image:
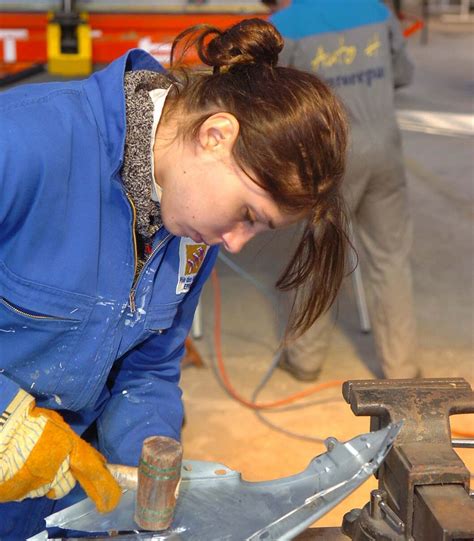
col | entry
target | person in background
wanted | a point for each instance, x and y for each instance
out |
(357, 47)
(275, 5)
(117, 192)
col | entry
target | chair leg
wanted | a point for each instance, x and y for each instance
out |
(197, 323)
(359, 290)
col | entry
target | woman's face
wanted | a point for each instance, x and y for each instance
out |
(206, 196)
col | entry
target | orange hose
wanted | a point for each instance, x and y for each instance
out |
(276, 403)
(223, 372)
(414, 27)
(417, 25)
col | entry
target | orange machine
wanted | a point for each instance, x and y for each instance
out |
(25, 39)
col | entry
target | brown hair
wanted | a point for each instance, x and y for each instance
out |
(292, 138)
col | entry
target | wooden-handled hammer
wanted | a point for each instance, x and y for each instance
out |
(156, 481)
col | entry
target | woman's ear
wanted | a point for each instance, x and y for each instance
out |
(218, 133)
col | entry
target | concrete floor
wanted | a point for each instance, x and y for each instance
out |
(440, 176)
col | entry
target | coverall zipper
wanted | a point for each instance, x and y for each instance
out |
(131, 298)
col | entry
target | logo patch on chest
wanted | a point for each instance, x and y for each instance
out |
(191, 258)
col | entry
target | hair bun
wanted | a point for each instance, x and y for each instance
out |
(252, 41)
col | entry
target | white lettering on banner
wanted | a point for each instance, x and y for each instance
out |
(160, 51)
(10, 37)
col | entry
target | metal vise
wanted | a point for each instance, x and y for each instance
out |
(423, 484)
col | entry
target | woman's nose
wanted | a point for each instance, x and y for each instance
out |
(236, 239)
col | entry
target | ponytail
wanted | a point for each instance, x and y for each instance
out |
(316, 269)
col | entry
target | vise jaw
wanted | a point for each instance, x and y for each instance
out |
(423, 492)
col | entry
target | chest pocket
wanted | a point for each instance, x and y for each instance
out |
(40, 328)
(161, 316)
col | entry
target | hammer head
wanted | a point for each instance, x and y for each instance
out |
(159, 473)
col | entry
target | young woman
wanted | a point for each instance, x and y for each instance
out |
(117, 192)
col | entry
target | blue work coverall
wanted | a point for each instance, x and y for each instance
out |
(76, 330)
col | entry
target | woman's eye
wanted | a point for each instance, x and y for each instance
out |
(249, 217)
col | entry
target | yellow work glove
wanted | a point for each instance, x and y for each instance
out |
(40, 455)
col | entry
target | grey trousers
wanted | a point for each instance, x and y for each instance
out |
(376, 194)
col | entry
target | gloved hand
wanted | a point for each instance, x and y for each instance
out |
(41, 455)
